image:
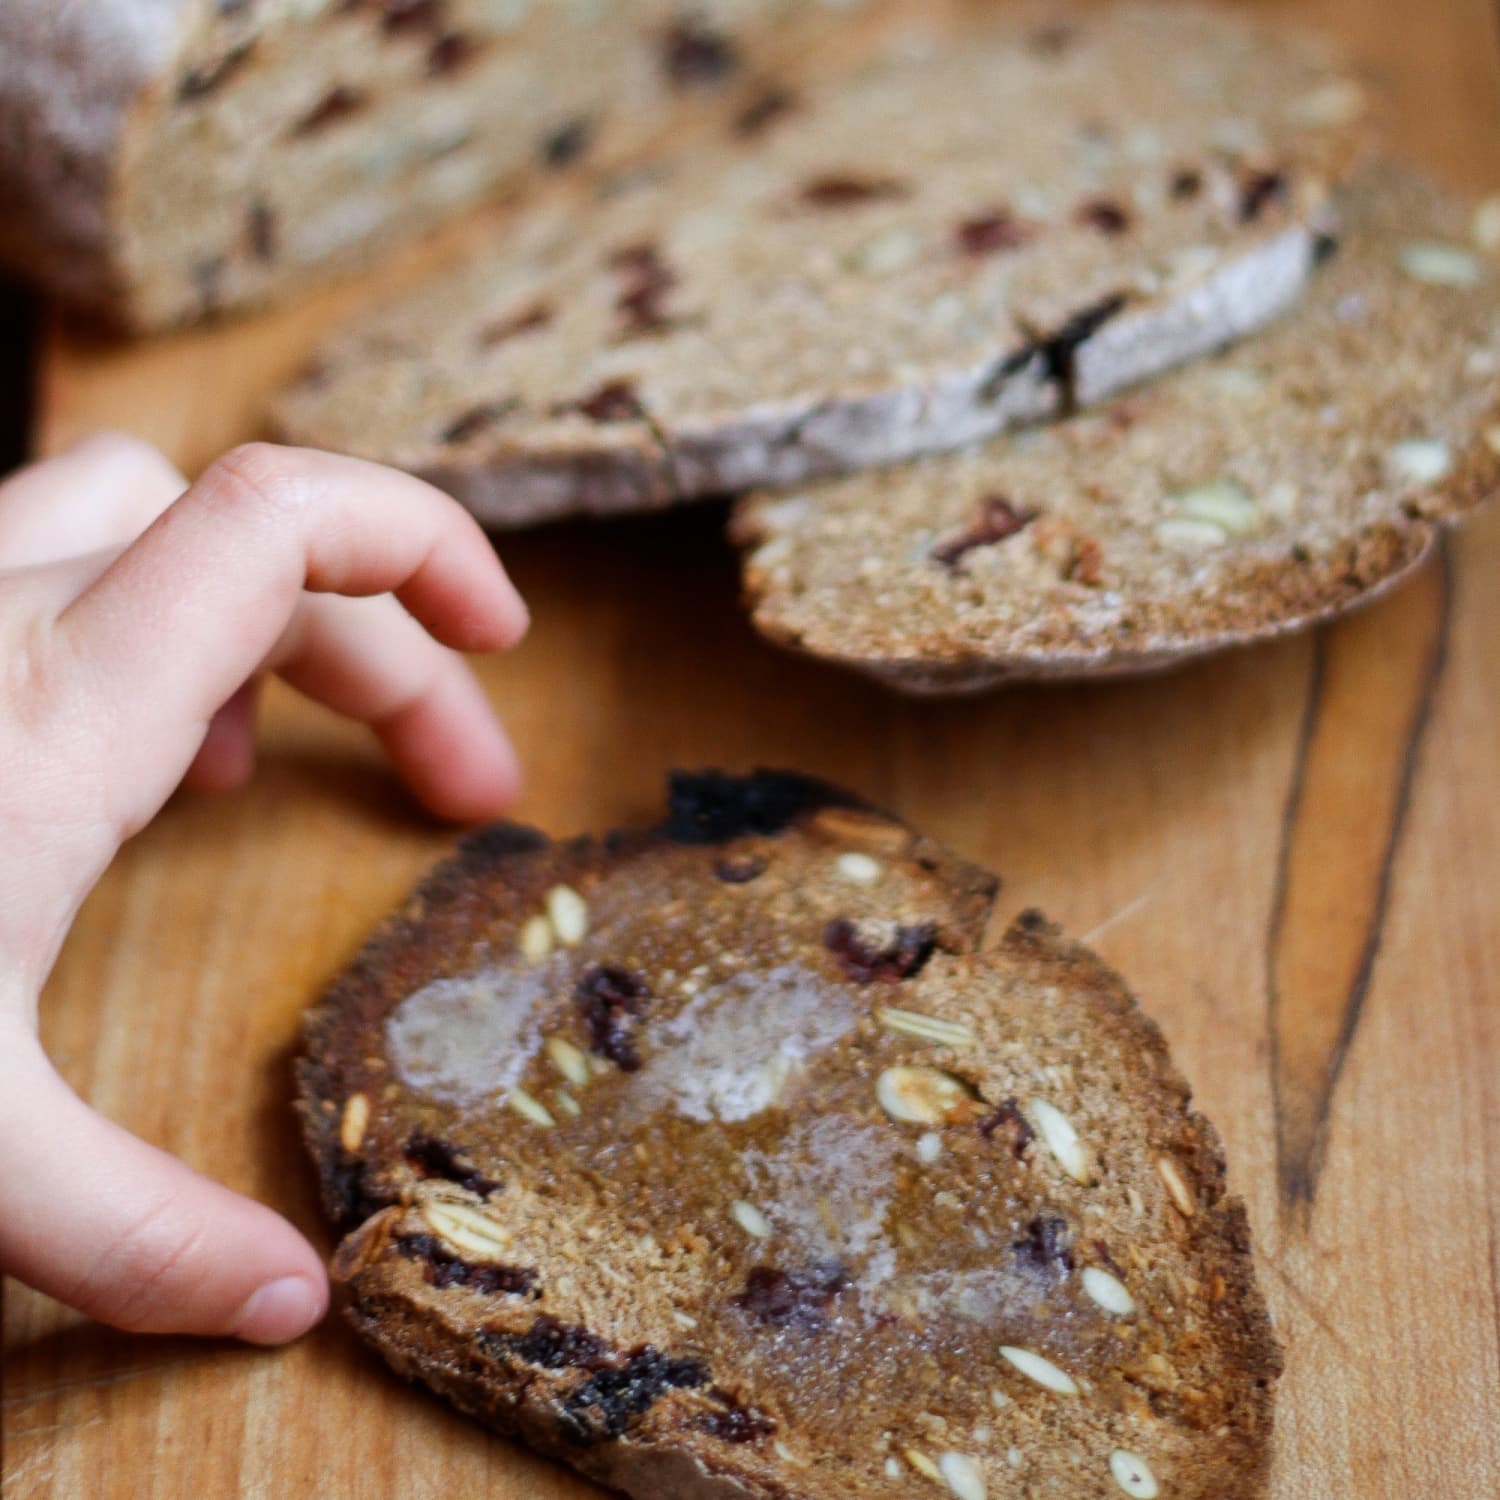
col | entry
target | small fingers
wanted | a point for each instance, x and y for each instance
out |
(370, 660)
(96, 496)
(187, 614)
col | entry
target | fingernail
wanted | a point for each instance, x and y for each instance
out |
(279, 1312)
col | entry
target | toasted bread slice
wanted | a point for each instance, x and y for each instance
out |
(717, 1162)
(1033, 215)
(1291, 478)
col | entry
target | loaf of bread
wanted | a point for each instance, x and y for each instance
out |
(716, 1161)
(962, 237)
(165, 159)
(1292, 477)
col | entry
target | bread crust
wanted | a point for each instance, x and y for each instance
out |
(652, 467)
(73, 78)
(1335, 449)
(1292, 600)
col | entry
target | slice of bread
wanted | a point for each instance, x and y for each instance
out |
(168, 159)
(718, 1163)
(955, 240)
(1293, 477)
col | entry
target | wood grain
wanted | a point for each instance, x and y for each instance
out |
(1293, 852)
(1342, 836)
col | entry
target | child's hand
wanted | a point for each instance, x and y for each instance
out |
(133, 625)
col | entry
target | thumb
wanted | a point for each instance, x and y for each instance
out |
(130, 1235)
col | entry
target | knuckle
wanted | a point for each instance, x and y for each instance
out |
(32, 681)
(257, 477)
(147, 1274)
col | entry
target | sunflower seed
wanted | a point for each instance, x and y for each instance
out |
(1177, 1189)
(920, 1096)
(751, 1219)
(1419, 461)
(355, 1118)
(1185, 534)
(923, 1465)
(569, 1060)
(569, 914)
(1440, 265)
(1224, 502)
(536, 938)
(1133, 1475)
(466, 1229)
(529, 1108)
(962, 1476)
(1108, 1291)
(928, 1028)
(860, 868)
(1057, 1131)
(1042, 1371)
(1338, 102)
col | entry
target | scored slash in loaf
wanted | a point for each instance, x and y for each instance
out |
(718, 1161)
(1284, 481)
(166, 159)
(953, 241)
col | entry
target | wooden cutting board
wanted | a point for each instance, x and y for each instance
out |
(1294, 853)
